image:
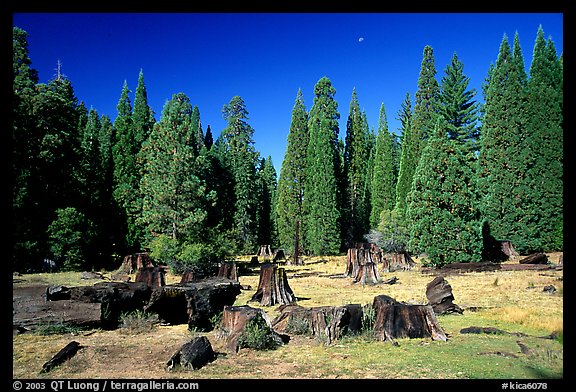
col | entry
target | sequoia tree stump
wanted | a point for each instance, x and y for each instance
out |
(265, 252)
(367, 274)
(508, 248)
(135, 262)
(235, 321)
(397, 261)
(229, 271)
(399, 320)
(439, 294)
(273, 287)
(326, 322)
(153, 277)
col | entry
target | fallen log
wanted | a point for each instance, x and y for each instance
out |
(61, 356)
(273, 287)
(534, 258)
(399, 320)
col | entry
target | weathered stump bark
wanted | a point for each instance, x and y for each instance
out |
(397, 261)
(508, 248)
(367, 274)
(153, 277)
(194, 303)
(228, 271)
(278, 255)
(398, 320)
(135, 262)
(193, 355)
(273, 287)
(63, 355)
(187, 276)
(235, 321)
(534, 258)
(440, 297)
(325, 322)
(265, 252)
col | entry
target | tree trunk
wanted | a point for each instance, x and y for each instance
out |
(398, 320)
(367, 274)
(397, 261)
(508, 248)
(133, 263)
(279, 255)
(265, 252)
(63, 355)
(535, 258)
(439, 294)
(273, 287)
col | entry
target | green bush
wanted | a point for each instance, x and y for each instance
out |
(257, 335)
(69, 238)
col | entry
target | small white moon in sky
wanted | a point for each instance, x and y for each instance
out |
(360, 39)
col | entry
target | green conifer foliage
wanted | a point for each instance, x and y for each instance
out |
(321, 192)
(444, 221)
(289, 211)
(356, 154)
(239, 147)
(545, 141)
(174, 198)
(383, 194)
(504, 153)
(457, 105)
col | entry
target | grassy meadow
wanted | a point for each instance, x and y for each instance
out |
(513, 301)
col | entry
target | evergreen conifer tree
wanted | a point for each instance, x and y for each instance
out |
(383, 178)
(289, 211)
(322, 167)
(444, 220)
(239, 146)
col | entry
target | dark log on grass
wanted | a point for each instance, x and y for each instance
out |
(195, 303)
(273, 287)
(153, 277)
(439, 294)
(229, 271)
(63, 355)
(193, 355)
(399, 320)
(328, 323)
(534, 258)
(247, 327)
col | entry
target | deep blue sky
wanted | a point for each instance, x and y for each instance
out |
(266, 57)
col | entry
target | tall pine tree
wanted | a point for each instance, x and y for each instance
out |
(383, 178)
(545, 141)
(322, 170)
(442, 206)
(239, 146)
(504, 153)
(289, 211)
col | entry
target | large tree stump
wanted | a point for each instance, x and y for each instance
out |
(153, 277)
(397, 261)
(265, 251)
(279, 255)
(61, 356)
(194, 303)
(273, 287)
(325, 322)
(507, 248)
(398, 320)
(367, 274)
(439, 294)
(534, 258)
(229, 271)
(235, 326)
(135, 262)
(193, 355)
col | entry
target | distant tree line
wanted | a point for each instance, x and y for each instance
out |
(86, 190)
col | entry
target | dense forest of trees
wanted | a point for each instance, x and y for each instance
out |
(460, 174)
